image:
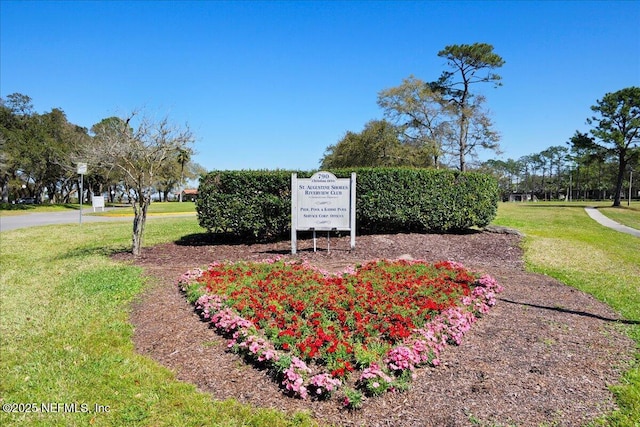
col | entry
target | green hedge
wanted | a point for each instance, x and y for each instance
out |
(257, 204)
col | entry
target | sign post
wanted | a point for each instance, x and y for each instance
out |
(82, 169)
(323, 203)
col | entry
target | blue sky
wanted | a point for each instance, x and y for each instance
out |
(267, 85)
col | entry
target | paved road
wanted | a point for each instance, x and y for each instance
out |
(593, 213)
(11, 222)
(68, 217)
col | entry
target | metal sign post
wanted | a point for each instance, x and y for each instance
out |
(82, 169)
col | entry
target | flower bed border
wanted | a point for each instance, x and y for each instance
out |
(422, 348)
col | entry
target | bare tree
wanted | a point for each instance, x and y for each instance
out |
(138, 149)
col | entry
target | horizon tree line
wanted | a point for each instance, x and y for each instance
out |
(39, 153)
(595, 165)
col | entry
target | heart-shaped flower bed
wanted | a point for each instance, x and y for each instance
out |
(313, 330)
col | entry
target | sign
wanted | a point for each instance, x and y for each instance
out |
(82, 168)
(97, 202)
(322, 203)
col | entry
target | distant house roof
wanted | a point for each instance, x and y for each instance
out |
(190, 191)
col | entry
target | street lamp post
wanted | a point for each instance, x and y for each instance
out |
(82, 169)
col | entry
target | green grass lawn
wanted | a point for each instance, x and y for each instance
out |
(563, 242)
(627, 215)
(155, 209)
(27, 209)
(66, 338)
(65, 335)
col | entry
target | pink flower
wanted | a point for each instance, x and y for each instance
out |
(228, 321)
(374, 371)
(209, 304)
(324, 383)
(490, 283)
(293, 377)
(402, 358)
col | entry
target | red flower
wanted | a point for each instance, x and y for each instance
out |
(317, 317)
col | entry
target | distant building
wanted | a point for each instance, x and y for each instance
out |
(189, 194)
(522, 197)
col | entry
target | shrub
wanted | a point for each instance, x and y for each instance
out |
(257, 204)
(248, 204)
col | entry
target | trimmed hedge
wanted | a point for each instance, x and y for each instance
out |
(257, 204)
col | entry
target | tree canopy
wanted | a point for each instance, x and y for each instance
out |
(36, 150)
(378, 144)
(617, 129)
(470, 65)
(421, 116)
(444, 121)
(39, 153)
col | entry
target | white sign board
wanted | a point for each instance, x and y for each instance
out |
(97, 202)
(82, 168)
(323, 203)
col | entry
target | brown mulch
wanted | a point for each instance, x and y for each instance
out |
(546, 353)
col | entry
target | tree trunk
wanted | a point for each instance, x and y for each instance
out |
(181, 187)
(5, 188)
(462, 142)
(139, 220)
(622, 165)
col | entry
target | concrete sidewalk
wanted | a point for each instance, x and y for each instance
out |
(600, 218)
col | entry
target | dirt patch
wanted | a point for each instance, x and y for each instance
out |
(546, 353)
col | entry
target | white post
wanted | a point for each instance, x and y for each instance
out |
(294, 212)
(81, 194)
(352, 220)
(82, 169)
(314, 240)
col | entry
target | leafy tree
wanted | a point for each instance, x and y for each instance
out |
(420, 113)
(617, 128)
(377, 145)
(19, 104)
(8, 160)
(5, 162)
(445, 116)
(58, 144)
(139, 152)
(594, 161)
(505, 172)
(470, 64)
(36, 149)
(556, 157)
(15, 112)
(173, 173)
(527, 163)
(184, 156)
